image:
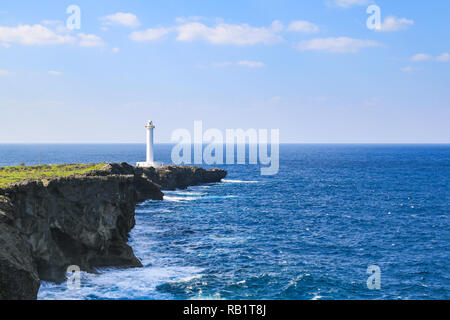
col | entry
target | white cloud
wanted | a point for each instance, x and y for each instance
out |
(276, 26)
(54, 73)
(116, 50)
(220, 34)
(233, 34)
(56, 25)
(5, 73)
(336, 45)
(149, 34)
(421, 57)
(90, 40)
(36, 35)
(29, 35)
(350, 3)
(303, 27)
(392, 23)
(122, 19)
(251, 64)
(445, 57)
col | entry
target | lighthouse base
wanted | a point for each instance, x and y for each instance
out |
(149, 164)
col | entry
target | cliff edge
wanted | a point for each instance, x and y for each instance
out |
(51, 222)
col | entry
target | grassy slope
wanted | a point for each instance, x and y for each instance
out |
(11, 175)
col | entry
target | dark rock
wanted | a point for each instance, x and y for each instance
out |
(150, 181)
(46, 226)
(146, 189)
(82, 221)
(18, 273)
(181, 177)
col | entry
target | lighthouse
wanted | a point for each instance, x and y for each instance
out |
(150, 151)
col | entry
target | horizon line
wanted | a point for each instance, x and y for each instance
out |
(206, 143)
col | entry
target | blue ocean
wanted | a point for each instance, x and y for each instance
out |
(309, 232)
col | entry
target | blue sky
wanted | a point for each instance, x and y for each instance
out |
(309, 68)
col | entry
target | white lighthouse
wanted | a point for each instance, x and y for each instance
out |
(150, 151)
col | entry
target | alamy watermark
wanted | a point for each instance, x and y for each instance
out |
(74, 20)
(374, 21)
(234, 143)
(374, 280)
(73, 275)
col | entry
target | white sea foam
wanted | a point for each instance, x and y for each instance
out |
(239, 181)
(121, 284)
(152, 210)
(200, 296)
(187, 279)
(228, 239)
(181, 198)
(195, 193)
(185, 192)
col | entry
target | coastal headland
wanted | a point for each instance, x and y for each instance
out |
(52, 217)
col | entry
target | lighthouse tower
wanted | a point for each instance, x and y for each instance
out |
(150, 151)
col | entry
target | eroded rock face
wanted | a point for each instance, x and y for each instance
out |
(19, 279)
(46, 226)
(82, 221)
(146, 189)
(181, 177)
(150, 181)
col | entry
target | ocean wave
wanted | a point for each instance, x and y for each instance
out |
(228, 239)
(147, 210)
(187, 192)
(187, 279)
(118, 284)
(238, 181)
(214, 297)
(180, 198)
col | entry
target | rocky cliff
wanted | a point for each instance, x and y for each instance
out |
(18, 272)
(85, 220)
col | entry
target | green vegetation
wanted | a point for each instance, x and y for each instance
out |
(11, 175)
(4, 198)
